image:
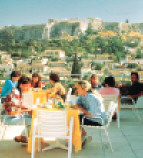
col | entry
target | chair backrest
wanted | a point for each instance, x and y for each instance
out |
(27, 100)
(73, 99)
(52, 123)
(110, 112)
(68, 97)
(139, 103)
(109, 98)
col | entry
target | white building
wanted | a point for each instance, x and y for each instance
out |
(54, 53)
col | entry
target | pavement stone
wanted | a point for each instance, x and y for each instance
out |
(127, 141)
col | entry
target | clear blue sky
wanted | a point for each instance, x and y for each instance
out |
(26, 12)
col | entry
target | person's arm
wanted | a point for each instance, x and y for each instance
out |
(80, 107)
(49, 90)
(77, 106)
(134, 96)
(22, 106)
(52, 90)
(40, 84)
(84, 111)
(18, 112)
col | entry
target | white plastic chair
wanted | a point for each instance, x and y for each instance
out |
(110, 112)
(129, 103)
(112, 98)
(52, 125)
(68, 97)
(73, 99)
(139, 103)
(4, 124)
(27, 100)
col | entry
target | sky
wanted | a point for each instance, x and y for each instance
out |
(27, 12)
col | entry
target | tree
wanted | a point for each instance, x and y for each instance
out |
(132, 65)
(54, 58)
(127, 21)
(76, 67)
(119, 55)
(139, 54)
(96, 66)
(87, 76)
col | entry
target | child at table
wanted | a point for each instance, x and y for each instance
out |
(10, 84)
(14, 108)
(57, 86)
(36, 81)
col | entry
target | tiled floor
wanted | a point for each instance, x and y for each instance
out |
(127, 142)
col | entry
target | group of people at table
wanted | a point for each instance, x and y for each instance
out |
(89, 101)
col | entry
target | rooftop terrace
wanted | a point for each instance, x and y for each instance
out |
(127, 141)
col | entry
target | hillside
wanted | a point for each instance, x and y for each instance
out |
(66, 27)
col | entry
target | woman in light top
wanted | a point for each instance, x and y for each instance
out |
(13, 106)
(36, 81)
(57, 86)
(110, 89)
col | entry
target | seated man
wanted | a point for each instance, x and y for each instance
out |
(136, 88)
(89, 103)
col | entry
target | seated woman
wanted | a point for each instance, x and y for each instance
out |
(110, 89)
(36, 81)
(57, 86)
(14, 108)
(90, 103)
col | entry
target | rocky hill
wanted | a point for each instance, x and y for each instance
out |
(66, 27)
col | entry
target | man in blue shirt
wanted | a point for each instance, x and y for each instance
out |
(89, 103)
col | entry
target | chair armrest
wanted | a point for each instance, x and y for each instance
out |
(91, 117)
(35, 122)
(71, 125)
(126, 97)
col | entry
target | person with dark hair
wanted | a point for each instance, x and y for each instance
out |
(13, 106)
(136, 88)
(109, 81)
(94, 81)
(10, 84)
(110, 89)
(57, 86)
(36, 81)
